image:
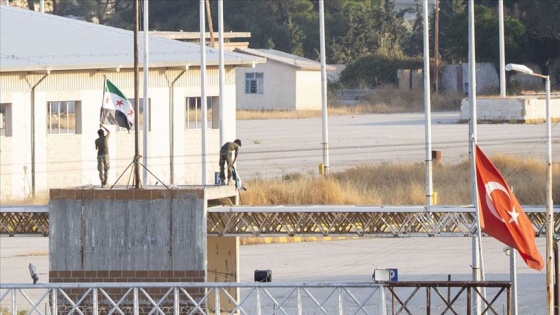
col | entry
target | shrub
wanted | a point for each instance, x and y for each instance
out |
(376, 70)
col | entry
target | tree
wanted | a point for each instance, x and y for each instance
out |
(486, 37)
(447, 10)
(542, 24)
(391, 32)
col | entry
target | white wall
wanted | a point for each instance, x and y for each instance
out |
(308, 90)
(512, 109)
(279, 88)
(71, 159)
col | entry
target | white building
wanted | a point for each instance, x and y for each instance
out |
(52, 72)
(284, 82)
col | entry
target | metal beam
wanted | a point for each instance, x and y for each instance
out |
(325, 220)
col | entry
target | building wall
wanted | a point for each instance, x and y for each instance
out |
(279, 91)
(308, 90)
(62, 160)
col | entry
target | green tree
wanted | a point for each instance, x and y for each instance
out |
(391, 32)
(486, 37)
(542, 23)
(371, 29)
(447, 10)
(414, 44)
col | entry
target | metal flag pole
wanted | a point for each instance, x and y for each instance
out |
(146, 104)
(203, 87)
(221, 68)
(324, 87)
(477, 258)
(427, 107)
(136, 83)
(502, 49)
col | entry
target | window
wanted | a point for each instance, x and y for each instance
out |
(254, 83)
(5, 120)
(193, 111)
(61, 117)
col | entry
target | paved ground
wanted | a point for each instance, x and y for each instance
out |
(272, 148)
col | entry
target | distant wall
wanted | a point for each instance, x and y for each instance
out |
(512, 109)
(453, 78)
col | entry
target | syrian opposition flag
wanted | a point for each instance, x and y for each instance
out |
(501, 215)
(116, 109)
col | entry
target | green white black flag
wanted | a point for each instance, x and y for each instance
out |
(116, 109)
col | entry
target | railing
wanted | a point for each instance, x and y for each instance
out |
(24, 220)
(453, 297)
(313, 220)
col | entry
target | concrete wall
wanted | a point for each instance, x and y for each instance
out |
(487, 80)
(403, 79)
(127, 229)
(452, 78)
(139, 235)
(512, 109)
(410, 79)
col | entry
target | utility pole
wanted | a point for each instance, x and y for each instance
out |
(210, 26)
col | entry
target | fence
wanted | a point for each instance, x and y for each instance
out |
(453, 297)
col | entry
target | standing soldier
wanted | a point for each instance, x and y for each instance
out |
(102, 146)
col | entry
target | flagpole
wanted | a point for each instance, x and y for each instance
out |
(324, 105)
(427, 108)
(103, 99)
(203, 88)
(477, 259)
(136, 81)
(145, 69)
(221, 68)
(549, 204)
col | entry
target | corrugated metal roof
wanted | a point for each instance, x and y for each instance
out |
(285, 58)
(34, 41)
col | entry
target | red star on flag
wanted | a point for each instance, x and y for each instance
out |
(119, 103)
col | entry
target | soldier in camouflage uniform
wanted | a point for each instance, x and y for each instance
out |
(225, 156)
(102, 147)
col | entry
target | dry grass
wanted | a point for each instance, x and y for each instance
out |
(388, 184)
(399, 184)
(39, 199)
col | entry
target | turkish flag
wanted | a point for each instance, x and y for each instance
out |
(501, 215)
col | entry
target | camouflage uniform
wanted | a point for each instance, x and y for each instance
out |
(225, 155)
(102, 146)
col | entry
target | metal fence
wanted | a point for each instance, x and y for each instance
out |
(325, 220)
(450, 297)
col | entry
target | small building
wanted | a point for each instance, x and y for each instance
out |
(284, 82)
(52, 71)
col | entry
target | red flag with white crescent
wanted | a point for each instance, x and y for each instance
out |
(501, 215)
